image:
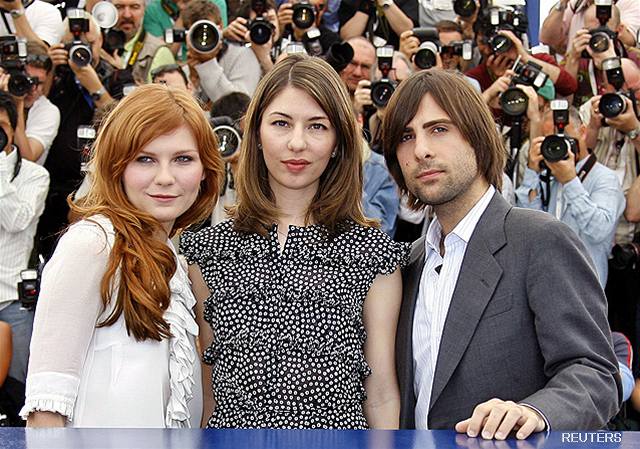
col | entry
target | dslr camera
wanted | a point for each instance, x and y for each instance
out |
(514, 101)
(558, 147)
(425, 57)
(500, 19)
(311, 41)
(203, 35)
(463, 49)
(626, 255)
(106, 16)
(599, 41)
(228, 133)
(29, 288)
(260, 29)
(464, 8)
(304, 14)
(382, 89)
(79, 51)
(613, 104)
(13, 56)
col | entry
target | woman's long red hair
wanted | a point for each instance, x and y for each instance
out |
(140, 264)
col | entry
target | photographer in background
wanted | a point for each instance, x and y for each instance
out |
(308, 28)
(23, 188)
(79, 91)
(35, 20)
(581, 192)
(38, 118)
(172, 75)
(227, 67)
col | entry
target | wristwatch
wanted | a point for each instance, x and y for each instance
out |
(386, 3)
(634, 133)
(15, 13)
(98, 94)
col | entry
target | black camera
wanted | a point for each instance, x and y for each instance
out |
(228, 133)
(260, 29)
(382, 89)
(339, 55)
(311, 41)
(458, 48)
(203, 35)
(425, 57)
(13, 56)
(529, 74)
(558, 147)
(464, 8)
(514, 101)
(626, 255)
(29, 288)
(613, 104)
(304, 14)
(79, 51)
(497, 19)
(106, 16)
(599, 41)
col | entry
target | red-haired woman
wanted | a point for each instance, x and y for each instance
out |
(114, 334)
(303, 290)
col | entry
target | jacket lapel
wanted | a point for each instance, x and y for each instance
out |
(478, 279)
(404, 338)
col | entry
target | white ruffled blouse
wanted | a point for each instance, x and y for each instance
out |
(102, 377)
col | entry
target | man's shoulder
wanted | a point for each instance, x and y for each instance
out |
(41, 7)
(44, 106)
(34, 173)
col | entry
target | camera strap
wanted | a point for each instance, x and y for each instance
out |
(18, 164)
(171, 12)
(6, 23)
(586, 168)
(137, 48)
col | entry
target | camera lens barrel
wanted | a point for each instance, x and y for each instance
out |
(425, 57)
(204, 36)
(555, 148)
(599, 42)
(304, 16)
(500, 43)
(612, 105)
(381, 92)
(260, 31)
(514, 102)
(80, 54)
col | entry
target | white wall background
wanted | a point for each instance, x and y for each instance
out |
(545, 6)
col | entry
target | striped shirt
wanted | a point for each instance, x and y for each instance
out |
(438, 281)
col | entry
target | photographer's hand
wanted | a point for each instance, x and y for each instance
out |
(408, 44)
(89, 79)
(237, 30)
(564, 170)
(285, 15)
(362, 96)
(262, 52)
(58, 55)
(627, 121)
(533, 111)
(517, 43)
(494, 91)
(535, 154)
(499, 64)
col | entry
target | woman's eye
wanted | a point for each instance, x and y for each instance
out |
(318, 126)
(144, 159)
(184, 158)
(279, 123)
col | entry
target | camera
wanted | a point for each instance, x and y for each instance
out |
(79, 51)
(228, 134)
(294, 48)
(626, 255)
(514, 101)
(497, 19)
(425, 57)
(599, 41)
(557, 147)
(458, 48)
(260, 29)
(29, 288)
(13, 55)
(304, 14)
(382, 89)
(311, 41)
(203, 36)
(613, 104)
(106, 15)
(339, 55)
(464, 8)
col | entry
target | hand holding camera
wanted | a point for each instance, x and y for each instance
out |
(408, 43)
(559, 150)
(362, 95)
(285, 14)
(237, 30)
(492, 94)
(626, 121)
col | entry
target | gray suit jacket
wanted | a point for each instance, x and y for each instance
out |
(527, 323)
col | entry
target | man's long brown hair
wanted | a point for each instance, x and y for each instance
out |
(339, 194)
(467, 111)
(141, 264)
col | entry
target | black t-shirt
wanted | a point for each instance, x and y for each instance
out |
(380, 25)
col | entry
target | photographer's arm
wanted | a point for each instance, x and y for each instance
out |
(552, 31)
(355, 26)
(632, 210)
(89, 80)
(30, 149)
(397, 18)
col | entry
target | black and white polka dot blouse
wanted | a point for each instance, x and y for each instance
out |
(288, 329)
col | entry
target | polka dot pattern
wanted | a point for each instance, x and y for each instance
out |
(288, 329)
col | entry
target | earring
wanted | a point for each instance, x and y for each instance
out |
(259, 146)
(334, 153)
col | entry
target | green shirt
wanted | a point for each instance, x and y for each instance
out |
(156, 20)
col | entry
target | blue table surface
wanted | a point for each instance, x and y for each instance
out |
(20, 438)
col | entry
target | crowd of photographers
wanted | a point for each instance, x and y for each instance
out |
(566, 108)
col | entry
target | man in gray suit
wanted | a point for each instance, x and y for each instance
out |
(503, 325)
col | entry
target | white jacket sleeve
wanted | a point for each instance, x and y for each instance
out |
(66, 316)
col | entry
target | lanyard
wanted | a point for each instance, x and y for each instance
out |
(171, 12)
(137, 47)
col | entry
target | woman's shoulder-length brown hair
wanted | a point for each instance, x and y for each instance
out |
(339, 195)
(467, 111)
(145, 263)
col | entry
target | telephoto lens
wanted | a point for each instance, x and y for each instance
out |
(514, 102)
(425, 57)
(599, 42)
(20, 84)
(80, 53)
(204, 36)
(229, 137)
(304, 16)
(381, 92)
(260, 31)
(612, 105)
(555, 148)
(500, 43)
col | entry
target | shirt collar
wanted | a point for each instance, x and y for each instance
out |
(11, 157)
(464, 229)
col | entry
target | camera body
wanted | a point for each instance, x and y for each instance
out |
(86, 135)
(529, 74)
(382, 89)
(514, 101)
(626, 255)
(13, 57)
(558, 147)
(425, 57)
(311, 41)
(29, 288)
(599, 41)
(463, 49)
(497, 19)
(260, 30)
(304, 14)
(613, 104)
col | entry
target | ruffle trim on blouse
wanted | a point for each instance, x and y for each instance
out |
(48, 403)
(182, 353)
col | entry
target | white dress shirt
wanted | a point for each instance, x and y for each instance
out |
(21, 204)
(434, 298)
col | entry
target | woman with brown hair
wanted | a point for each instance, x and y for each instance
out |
(302, 292)
(114, 334)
